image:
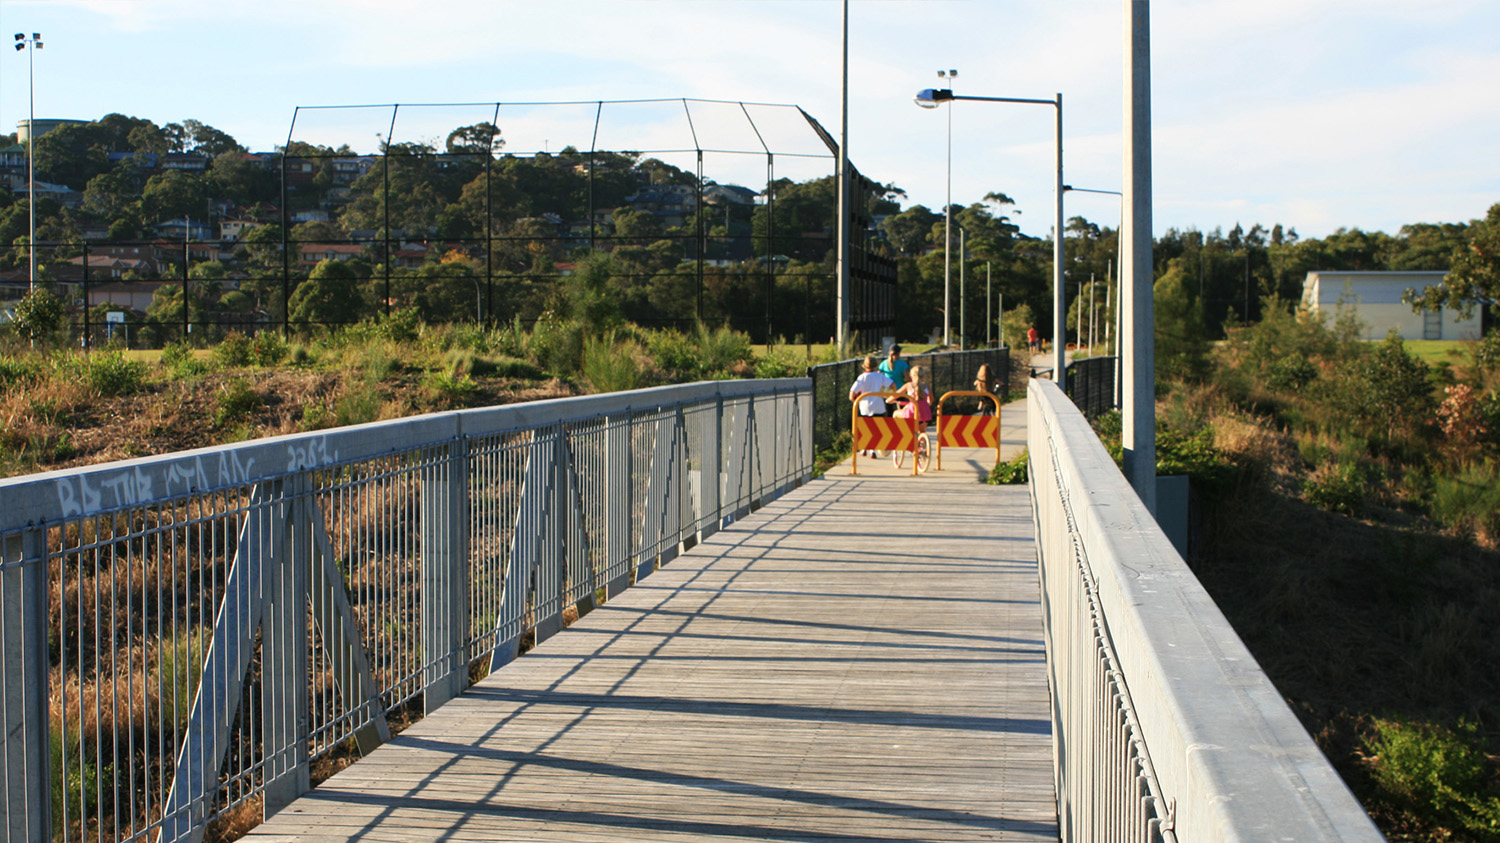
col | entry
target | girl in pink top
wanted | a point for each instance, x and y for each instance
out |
(920, 402)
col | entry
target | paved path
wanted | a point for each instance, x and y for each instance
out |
(861, 660)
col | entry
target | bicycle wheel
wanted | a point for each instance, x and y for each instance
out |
(896, 458)
(924, 453)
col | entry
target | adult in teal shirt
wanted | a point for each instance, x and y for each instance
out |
(894, 367)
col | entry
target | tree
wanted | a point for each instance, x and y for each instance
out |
(478, 139)
(174, 194)
(329, 295)
(907, 231)
(1181, 342)
(1474, 275)
(38, 314)
(113, 194)
(193, 136)
(637, 227)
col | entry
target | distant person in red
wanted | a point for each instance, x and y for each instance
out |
(1032, 343)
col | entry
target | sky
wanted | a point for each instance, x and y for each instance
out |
(1315, 114)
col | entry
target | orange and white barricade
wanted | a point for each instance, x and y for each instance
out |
(882, 433)
(958, 431)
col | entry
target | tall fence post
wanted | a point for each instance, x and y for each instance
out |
(23, 655)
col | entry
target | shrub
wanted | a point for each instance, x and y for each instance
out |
(1010, 473)
(1384, 391)
(268, 348)
(837, 451)
(719, 348)
(779, 362)
(315, 416)
(234, 351)
(1194, 455)
(509, 340)
(1337, 487)
(1291, 374)
(401, 325)
(673, 352)
(236, 400)
(611, 366)
(1468, 501)
(357, 407)
(449, 389)
(174, 354)
(1437, 773)
(111, 374)
(18, 371)
(510, 367)
(557, 346)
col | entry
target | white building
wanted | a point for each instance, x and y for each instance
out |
(1375, 298)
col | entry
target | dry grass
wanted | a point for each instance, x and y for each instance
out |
(1353, 618)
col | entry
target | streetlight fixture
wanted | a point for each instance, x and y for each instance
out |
(931, 98)
(34, 43)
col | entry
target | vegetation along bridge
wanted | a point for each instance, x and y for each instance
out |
(192, 641)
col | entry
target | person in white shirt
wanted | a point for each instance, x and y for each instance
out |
(871, 380)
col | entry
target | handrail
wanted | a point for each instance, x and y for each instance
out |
(186, 633)
(1147, 673)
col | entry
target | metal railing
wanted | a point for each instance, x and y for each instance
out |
(1093, 385)
(1166, 728)
(947, 371)
(183, 636)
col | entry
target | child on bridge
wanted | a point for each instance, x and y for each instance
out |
(871, 380)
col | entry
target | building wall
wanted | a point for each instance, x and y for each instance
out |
(1375, 297)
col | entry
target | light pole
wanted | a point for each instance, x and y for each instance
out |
(844, 199)
(1068, 188)
(34, 43)
(963, 324)
(947, 214)
(930, 98)
(1119, 367)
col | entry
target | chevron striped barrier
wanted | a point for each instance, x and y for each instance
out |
(957, 431)
(881, 433)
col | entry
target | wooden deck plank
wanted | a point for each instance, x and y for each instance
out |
(861, 660)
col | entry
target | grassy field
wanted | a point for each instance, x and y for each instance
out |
(1433, 352)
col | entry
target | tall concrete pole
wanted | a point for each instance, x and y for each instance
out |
(845, 196)
(1059, 293)
(948, 235)
(1138, 348)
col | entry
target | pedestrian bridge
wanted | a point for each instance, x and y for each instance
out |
(628, 617)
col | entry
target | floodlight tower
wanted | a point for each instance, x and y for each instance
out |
(34, 43)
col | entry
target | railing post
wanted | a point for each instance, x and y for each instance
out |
(444, 577)
(552, 562)
(617, 502)
(710, 495)
(23, 655)
(284, 667)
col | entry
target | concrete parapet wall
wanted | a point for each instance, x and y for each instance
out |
(1231, 761)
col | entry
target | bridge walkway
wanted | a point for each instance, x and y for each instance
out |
(859, 660)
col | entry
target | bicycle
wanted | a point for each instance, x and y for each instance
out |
(923, 454)
(921, 449)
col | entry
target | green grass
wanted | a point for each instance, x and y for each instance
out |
(1433, 352)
